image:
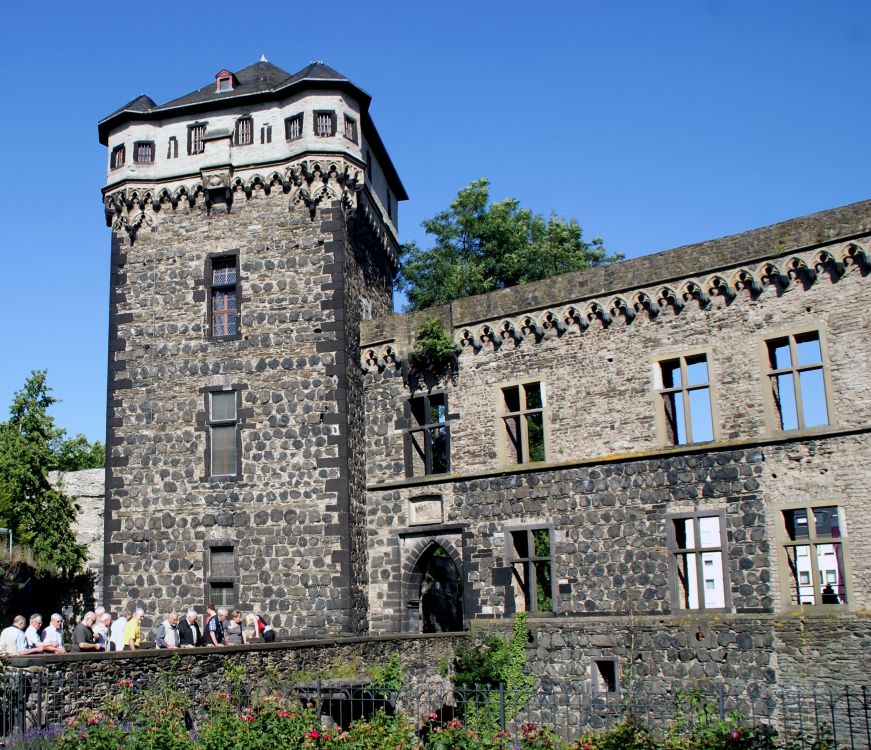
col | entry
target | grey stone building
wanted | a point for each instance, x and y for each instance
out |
(665, 460)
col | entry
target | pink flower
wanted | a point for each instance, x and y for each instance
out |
(314, 734)
(735, 734)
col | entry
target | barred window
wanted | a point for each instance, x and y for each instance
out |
(197, 138)
(325, 124)
(244, 134)
(350, 129)
(143, 152)
(293, 127)
(223, 296)
(117, 156)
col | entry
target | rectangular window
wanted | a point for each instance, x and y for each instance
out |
(221, 579)
(244, 135)
(325, 124)
(698, 562)
(293, 127)
(197, 138)
(117, 157)
(814, 550)
(684, 393)
(143, 152)
(796, 374)
(172, 148)
(223, 285)
(428, 439)
(223, 432)
(523, 422)
(531, 561)
(350, 129)
(605, 676)
(266, 134)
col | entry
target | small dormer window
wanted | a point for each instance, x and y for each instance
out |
(224, 81)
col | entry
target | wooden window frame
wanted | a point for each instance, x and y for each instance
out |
(425, 429)
(773, 414)
(332, 115)
(288, 123)
(212, 289)
(136, 150)
(661, 393)
(114, 162)
(350, 125)
(234, 423)
(507, 449)
(697, 550)
(237, 131)
(812, 541)
(209, 579)
(512, 559)
(201, 141)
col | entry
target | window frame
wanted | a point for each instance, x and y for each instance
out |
(427, 429)
(333, 125)
(350, 123)
(511, 559)
(136, 147)
(812, 541)
(237, 129)
(773, 415)
(660, 392)
(172, 147)
(113, 154)
(209, 579)
(504, 443)
(298, 117)
(698, 551)
(192, 141)
(235, 423)
(211, 288)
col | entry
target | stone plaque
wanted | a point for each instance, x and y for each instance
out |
(425, 510)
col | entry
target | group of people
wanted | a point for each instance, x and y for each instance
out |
(97, 631)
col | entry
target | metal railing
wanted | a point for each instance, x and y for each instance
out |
(31, 700)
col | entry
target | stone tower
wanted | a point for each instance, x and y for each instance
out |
(253, 228)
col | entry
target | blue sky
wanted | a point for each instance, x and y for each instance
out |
(656, 124)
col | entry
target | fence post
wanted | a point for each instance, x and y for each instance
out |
(502, 706)
(21, 702)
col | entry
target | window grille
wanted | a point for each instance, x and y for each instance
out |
(293, 127)
(197, 139)
(143, 152)
(223, 296)
(350, 129)
(325, 124)
(116, 159)
(244, 131)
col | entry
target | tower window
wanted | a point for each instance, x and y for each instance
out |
(266, 133)
(197, 138)
(350, 129)
(244, 134)
(223, 283)
(143, 152)
(293, 127)
(223, 434)
(172, 148)
(221, 574)
(116, 159)
(325, 124)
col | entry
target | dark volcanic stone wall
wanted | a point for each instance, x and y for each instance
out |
(289, 512)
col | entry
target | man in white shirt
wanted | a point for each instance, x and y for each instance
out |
(31, 635)
(102, 630)
(53, 636)
(116, 635)
(13, 642)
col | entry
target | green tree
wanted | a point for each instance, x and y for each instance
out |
(40, 516)
(481, 246)
(76, 453)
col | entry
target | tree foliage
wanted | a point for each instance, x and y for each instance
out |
(40, 516)
(481, 246)
(77, 453)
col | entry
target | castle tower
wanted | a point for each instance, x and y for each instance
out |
(253, 228)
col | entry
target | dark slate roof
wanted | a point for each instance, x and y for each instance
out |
(258, 82)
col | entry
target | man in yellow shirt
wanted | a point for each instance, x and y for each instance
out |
(133, 631)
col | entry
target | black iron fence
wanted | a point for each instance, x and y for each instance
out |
(31, 700)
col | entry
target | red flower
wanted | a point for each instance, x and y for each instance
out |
(314, 734)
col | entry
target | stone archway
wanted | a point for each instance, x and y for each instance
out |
(434, 590)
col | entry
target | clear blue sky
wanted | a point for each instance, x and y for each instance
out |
(656, 124)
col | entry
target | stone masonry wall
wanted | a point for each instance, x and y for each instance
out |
(287, 514)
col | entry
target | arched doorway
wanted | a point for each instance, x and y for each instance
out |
(437, 583)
